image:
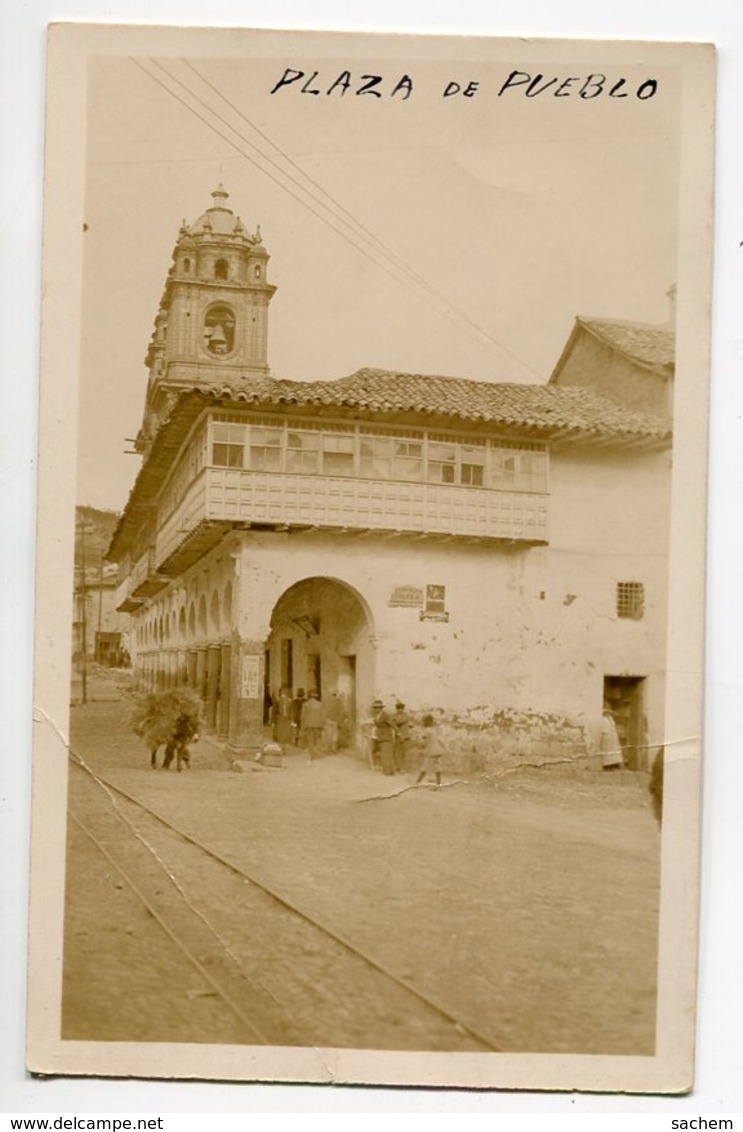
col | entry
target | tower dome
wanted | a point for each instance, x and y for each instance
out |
(219, 220)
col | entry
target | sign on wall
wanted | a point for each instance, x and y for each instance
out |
(250, 678)
(406, 596)
(435, 604)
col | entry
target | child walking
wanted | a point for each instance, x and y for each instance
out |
(433, 751)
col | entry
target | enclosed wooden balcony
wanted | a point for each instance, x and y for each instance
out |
(222, 498)
(125, 601)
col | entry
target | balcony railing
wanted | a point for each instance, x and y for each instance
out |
(234, 496)
(125, 602)
(144, 579)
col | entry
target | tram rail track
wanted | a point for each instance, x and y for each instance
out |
(463, 1035)
(199, 967)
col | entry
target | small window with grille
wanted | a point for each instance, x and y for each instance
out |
(631, 600)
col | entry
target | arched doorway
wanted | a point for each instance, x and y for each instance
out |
(321, 640)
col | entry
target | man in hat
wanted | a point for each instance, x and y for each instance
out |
(311, 724)
(383, 737)
(401, 723)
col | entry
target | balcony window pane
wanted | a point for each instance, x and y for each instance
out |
(533, 471)
(408, 460)
(442, 462)
(228, 433)
(337, 464)
(265, 449)
(376, 457)
(338, 454)
(227, 455)
(471, 475)
(337, 442)
(503, 469)
(302, 452)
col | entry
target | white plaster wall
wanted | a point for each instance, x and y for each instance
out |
(528, 628)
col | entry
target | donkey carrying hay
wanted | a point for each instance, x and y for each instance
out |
(170, 719)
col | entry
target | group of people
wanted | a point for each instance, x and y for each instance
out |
(391, 737)
(303, 720)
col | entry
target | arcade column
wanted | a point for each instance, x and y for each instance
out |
(225, 691)
(246, 701)
(213, 663)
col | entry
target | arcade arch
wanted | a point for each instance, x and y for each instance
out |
(320, 639)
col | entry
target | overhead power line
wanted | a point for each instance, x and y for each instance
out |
(333, 213)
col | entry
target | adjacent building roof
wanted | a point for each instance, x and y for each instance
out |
(645, 344)
(648, 346)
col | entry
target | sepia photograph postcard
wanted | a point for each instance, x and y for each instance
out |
(371, 544)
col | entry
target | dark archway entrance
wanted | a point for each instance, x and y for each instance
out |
(321, 640)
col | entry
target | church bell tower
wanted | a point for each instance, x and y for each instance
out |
(212, 325)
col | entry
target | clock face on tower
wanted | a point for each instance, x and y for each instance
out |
(219, 330)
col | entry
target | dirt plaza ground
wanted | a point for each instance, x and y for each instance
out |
(526, 905)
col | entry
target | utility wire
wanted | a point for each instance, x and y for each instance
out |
(351, 236)
(367, 233)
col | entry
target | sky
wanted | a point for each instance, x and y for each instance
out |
(479, 226)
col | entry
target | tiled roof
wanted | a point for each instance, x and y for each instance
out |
(653, 346)
(545, 408)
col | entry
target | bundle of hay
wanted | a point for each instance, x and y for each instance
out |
(162, 717)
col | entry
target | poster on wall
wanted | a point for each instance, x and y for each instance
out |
(337, 327)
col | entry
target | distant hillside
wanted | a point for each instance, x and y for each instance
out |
(99, 527)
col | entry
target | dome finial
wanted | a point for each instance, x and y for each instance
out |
(220, 196)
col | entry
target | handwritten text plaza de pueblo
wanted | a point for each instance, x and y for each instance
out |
(517, 83)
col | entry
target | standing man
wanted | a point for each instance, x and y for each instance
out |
(383, 737)
(311, 723)
(401, 723)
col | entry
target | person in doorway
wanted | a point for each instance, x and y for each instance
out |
(610, 748)
(295, 715)
(268, 707)
(401, 722)
(282, 726)
(383, 737)
(331, 733)
(311, 724)
(433, 751)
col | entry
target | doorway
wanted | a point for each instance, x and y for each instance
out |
(346, 701)
(625, 696)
